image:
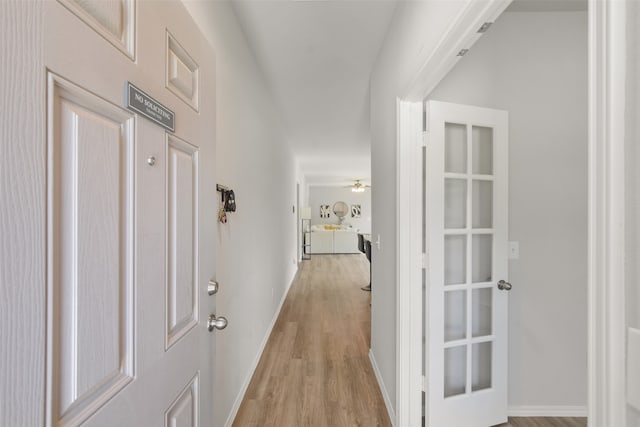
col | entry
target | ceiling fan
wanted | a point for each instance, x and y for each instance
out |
(358, 187)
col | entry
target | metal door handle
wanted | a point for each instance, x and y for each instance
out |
(212, 287)
(503, 285)
(216, 323)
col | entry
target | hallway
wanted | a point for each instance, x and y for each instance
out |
(315, 369)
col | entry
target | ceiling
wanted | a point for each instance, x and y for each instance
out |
(317, 57)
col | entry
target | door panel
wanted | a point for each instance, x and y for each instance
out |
(91, 287)
(182, 73)
(183, 411)
(132, 211)
(466, 184)
(182, 238)
(112, 19)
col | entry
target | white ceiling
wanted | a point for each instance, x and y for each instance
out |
(317, 57)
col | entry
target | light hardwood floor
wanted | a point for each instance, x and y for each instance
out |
(315, 369)
(545, 422)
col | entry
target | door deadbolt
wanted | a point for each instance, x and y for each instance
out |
(216, 323)
(212, 287)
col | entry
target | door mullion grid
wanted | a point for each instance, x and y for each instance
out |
(482, 177)
(463, 341)
(469, 266)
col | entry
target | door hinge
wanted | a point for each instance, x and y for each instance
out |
(425, 261)
(425, 138)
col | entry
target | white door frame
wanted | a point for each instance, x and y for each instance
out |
(607, 57)
(409, 265)
(606, 328)
(462, 34)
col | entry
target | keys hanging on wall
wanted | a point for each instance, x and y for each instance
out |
(222, 215)
(227, 202)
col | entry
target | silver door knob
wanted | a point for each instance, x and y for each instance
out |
(216, 323)
(212, 287)
(504, 285)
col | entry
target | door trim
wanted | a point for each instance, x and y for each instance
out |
(461, 34)
(607, 62)
(409, 272)
(607, 400)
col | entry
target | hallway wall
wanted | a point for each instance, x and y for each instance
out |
(329, 195)
(256, 250)
(540, 78)
(415, 31)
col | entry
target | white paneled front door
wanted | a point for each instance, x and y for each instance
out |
(466, 193)
(130, 211)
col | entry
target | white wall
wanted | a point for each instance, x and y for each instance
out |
(330, 195)
(534, 65)
(256, 252)
(415, 31)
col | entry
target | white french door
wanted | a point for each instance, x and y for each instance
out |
(467, 278)
(131, 217)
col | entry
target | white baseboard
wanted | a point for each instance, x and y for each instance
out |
(383, 389)
(254, 365)
(547, 411)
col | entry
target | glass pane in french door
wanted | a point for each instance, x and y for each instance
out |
(482, 191)
(455, 315)
(455, 148)
(455, 371)
(481, 256)
(468, 259)
(482, 150)
(481, 366)
(455, 202)
(455, 259)
(482, 312)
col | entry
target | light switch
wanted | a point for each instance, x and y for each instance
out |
(633, 368)
(514, 250)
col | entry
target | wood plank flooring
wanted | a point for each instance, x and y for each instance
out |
(315, 369)
(545, 422)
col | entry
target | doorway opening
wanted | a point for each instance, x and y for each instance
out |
(531, 75)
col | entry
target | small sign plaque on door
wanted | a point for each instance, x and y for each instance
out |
(139, 102)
